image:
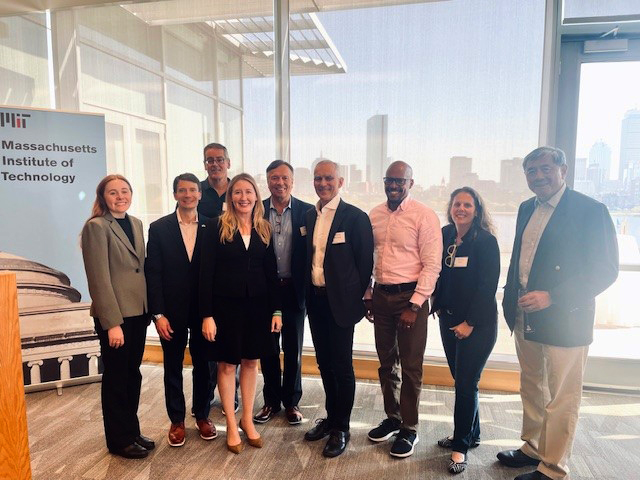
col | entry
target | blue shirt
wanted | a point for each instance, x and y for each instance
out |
(282, 236)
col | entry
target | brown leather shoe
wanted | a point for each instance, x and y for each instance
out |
(254, 442)
(176, 434)
(293, 415)
(265, 414)
(207, 429)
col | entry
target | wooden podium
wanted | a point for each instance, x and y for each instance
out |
(14, 438)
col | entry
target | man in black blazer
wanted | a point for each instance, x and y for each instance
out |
(565, 253)
(339, 265)
(172, 270)
(286, 215)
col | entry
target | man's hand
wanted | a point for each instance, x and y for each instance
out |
(276, 323)
(209, 329)
(407, 318)
(462, 330)
(368, 304)
(534, 301)
(116, 336)
(163, 327)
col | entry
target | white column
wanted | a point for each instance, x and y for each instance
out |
(65, 371)
(93, 363)
(34, 372)
(281, 70)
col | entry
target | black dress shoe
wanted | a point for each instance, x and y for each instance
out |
(145, 442)
(336, 444)
(517, 459)
(131, 451)
(536, 475)
(318, 432)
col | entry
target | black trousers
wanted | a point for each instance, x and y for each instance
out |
(285, 387)
(121, 381)
(334, 354)
(173, 362)
(466, 359)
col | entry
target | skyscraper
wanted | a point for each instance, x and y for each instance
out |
(511, 176)
(600, 154)
(376, 150)
(630, 147)
(459, 171)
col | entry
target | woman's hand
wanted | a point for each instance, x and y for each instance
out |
(462, 330)
(209, 329)
(276, 323)
(116, 337)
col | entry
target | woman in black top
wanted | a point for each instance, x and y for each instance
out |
(239, 300)
(465, 301)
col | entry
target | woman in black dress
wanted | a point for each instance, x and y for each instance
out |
(465, 301)
(239, 300)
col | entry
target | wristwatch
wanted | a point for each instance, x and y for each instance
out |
(415, 307)
(158, 316)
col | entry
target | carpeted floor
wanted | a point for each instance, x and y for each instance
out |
(66, 439)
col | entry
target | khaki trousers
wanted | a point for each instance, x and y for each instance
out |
(551, 391)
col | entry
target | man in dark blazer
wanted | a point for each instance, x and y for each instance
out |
(172, 270)
(287, 216)
(565, 253)
(339, 265)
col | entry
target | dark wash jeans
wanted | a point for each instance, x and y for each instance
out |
(466, 359)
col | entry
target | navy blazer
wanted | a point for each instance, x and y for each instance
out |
(172, 280)
(298, 244)
(347, 265)
(576, 259)
(231, 270)
(474, 286)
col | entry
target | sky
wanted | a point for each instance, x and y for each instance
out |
(455, 78)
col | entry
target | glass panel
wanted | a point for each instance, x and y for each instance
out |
(453, 88)
(598, 8)
(148, 175)
(114, 136)
(110, 82)
(190, 126)
(608, 169)
(231, 136)
(229, 85)
(189, 56)
(24, 75)
(120, 32)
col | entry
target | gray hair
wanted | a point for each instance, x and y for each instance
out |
(556, 154)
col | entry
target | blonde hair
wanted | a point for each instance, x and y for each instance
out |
(100, 208)
(229, 219)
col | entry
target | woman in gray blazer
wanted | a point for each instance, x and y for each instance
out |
(113, 253)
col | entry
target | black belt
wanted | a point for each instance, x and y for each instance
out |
(320, 291)
(397, 288)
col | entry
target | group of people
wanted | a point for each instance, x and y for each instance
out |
(234, 276)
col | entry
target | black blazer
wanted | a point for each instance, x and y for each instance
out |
(230, 270)
(474, 286)
(348, 265)
(576, 259)
(171, 278)
(298, 244)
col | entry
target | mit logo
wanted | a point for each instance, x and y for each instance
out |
(14, 120)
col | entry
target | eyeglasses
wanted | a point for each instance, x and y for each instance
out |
(278, 225)
(398, 181)
(451, 255)
(212, 160)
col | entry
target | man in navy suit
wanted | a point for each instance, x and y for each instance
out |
(286, 215)
(339, 265)
(172, 270)
(565, 253)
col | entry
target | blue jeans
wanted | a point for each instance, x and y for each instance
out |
(466, 359)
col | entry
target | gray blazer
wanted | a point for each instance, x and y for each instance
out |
(115, 270)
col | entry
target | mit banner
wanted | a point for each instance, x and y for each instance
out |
(50, 164)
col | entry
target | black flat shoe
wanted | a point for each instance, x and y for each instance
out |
(145, 442)
(131, 451)
(447, 442)
(457, 467)
(336, 444)
(318, 432)
(516, 459)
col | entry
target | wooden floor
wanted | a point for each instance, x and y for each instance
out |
(66, 439)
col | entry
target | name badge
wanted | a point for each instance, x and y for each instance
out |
(224, 206)
(339, 237)
(303, 231)
(460, 262)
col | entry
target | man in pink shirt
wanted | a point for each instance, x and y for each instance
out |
(407, 261)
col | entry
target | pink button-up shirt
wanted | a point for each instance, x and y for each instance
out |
(408, 247)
